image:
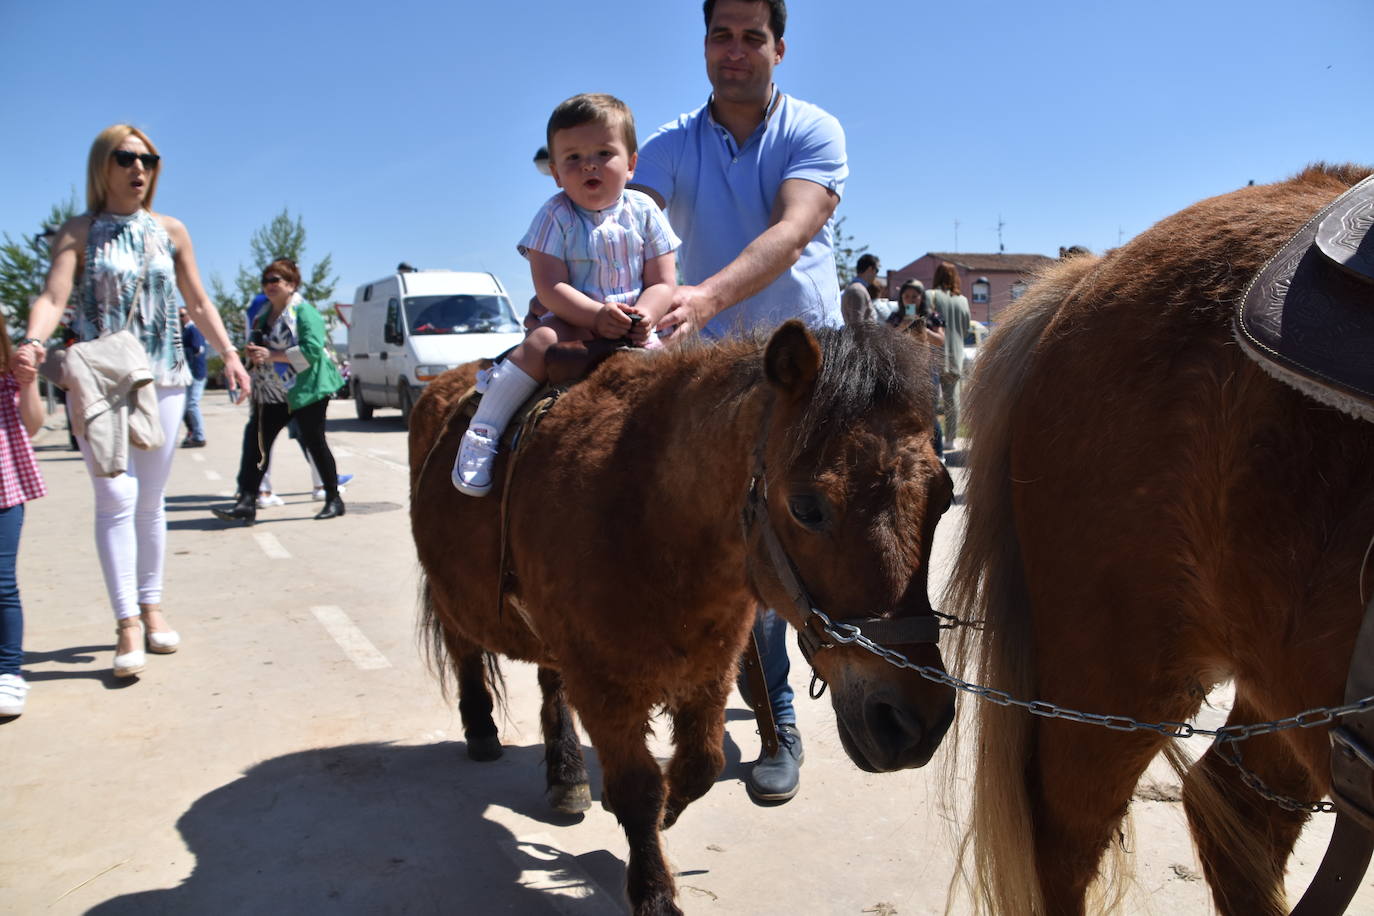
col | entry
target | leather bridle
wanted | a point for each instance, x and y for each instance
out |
(818, 630)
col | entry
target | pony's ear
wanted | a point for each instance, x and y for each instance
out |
(793, 359)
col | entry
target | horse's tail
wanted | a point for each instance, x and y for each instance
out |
(444, 650)
(996, 860)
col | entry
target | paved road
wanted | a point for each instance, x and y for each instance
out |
(296, 756)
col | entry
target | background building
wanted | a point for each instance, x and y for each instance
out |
(990, 281)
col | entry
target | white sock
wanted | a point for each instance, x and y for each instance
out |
(510, 386)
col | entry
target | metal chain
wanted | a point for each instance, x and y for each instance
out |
(849, 635)
(1229, 751)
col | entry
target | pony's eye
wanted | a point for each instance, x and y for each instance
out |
(806, 509)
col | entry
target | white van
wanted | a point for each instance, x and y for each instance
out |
(412, 326)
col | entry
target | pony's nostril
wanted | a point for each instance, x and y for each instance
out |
(894, 726)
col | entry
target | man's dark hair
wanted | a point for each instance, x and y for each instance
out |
(777, 15)
(866, 261)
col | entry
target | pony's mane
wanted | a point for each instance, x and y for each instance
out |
(863, 368)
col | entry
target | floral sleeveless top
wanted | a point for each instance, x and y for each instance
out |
(116, 251)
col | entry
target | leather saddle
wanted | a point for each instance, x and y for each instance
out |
(567, 364)
(1307, 317)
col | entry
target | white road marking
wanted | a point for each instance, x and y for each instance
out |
(565, 886)
(351, 639)
(386, 463)
(198, 457)
(212, 475)
(271, 546)
(340, 452)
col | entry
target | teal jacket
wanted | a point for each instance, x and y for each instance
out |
(321, 378)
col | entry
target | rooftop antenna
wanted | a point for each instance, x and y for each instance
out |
(1001, 224)
(956, 236)
(1120, 234)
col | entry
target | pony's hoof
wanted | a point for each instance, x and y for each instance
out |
(573, 799)
(485, 748)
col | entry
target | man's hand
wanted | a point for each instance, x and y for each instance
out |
(692, 309)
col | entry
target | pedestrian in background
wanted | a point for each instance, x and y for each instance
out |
(946, 301)
(856, 302)
(267, 498)
(117, 252)
(915, 316)
(288, 336)
(193, 343)
(21, 416)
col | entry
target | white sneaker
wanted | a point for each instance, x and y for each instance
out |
(317, 494)
(13, 690)
(472, 470)
(269, 499)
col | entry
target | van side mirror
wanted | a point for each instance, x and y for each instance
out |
(392, 332)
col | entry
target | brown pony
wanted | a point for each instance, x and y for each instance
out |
(634, 584)
(1150, 514)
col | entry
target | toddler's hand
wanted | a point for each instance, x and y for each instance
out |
(639, 330)
(611, 322)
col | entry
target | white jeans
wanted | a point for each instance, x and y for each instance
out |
(130, 514)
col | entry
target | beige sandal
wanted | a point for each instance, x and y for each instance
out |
(162, 642)
(129, 663)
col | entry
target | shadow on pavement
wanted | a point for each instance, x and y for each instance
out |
(381, 423)
(377, 828)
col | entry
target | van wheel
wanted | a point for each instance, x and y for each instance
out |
(407, 404)
(363, 408)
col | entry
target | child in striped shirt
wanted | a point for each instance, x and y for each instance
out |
(599, 254)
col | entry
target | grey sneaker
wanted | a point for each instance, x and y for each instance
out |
(13, 690)
(476, 455)
(776, 778)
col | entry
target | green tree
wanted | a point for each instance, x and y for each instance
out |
(283, 237)
(846, 255)
(24, 266)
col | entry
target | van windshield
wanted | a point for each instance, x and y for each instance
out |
(461, 314)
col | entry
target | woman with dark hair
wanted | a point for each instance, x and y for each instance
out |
(287, 344)
(914, 314)
(129, 263)
(946, 300)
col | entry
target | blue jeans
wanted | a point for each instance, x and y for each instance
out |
(771, 632)
(11, 611)
(195, 426)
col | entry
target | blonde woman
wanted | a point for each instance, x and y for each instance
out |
(127, 264)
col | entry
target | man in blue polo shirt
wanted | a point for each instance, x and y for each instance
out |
(750, 181)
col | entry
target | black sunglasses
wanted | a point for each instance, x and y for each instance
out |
(270, 281)
(126, 158)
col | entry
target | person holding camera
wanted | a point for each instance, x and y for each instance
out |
(293, 378)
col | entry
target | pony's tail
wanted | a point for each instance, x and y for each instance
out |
(996, 849)
(444, 651)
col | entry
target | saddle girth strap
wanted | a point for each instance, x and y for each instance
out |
(1352, 790)
(752, 660)
(530, 416)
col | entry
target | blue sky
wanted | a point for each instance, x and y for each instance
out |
(405, 130)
